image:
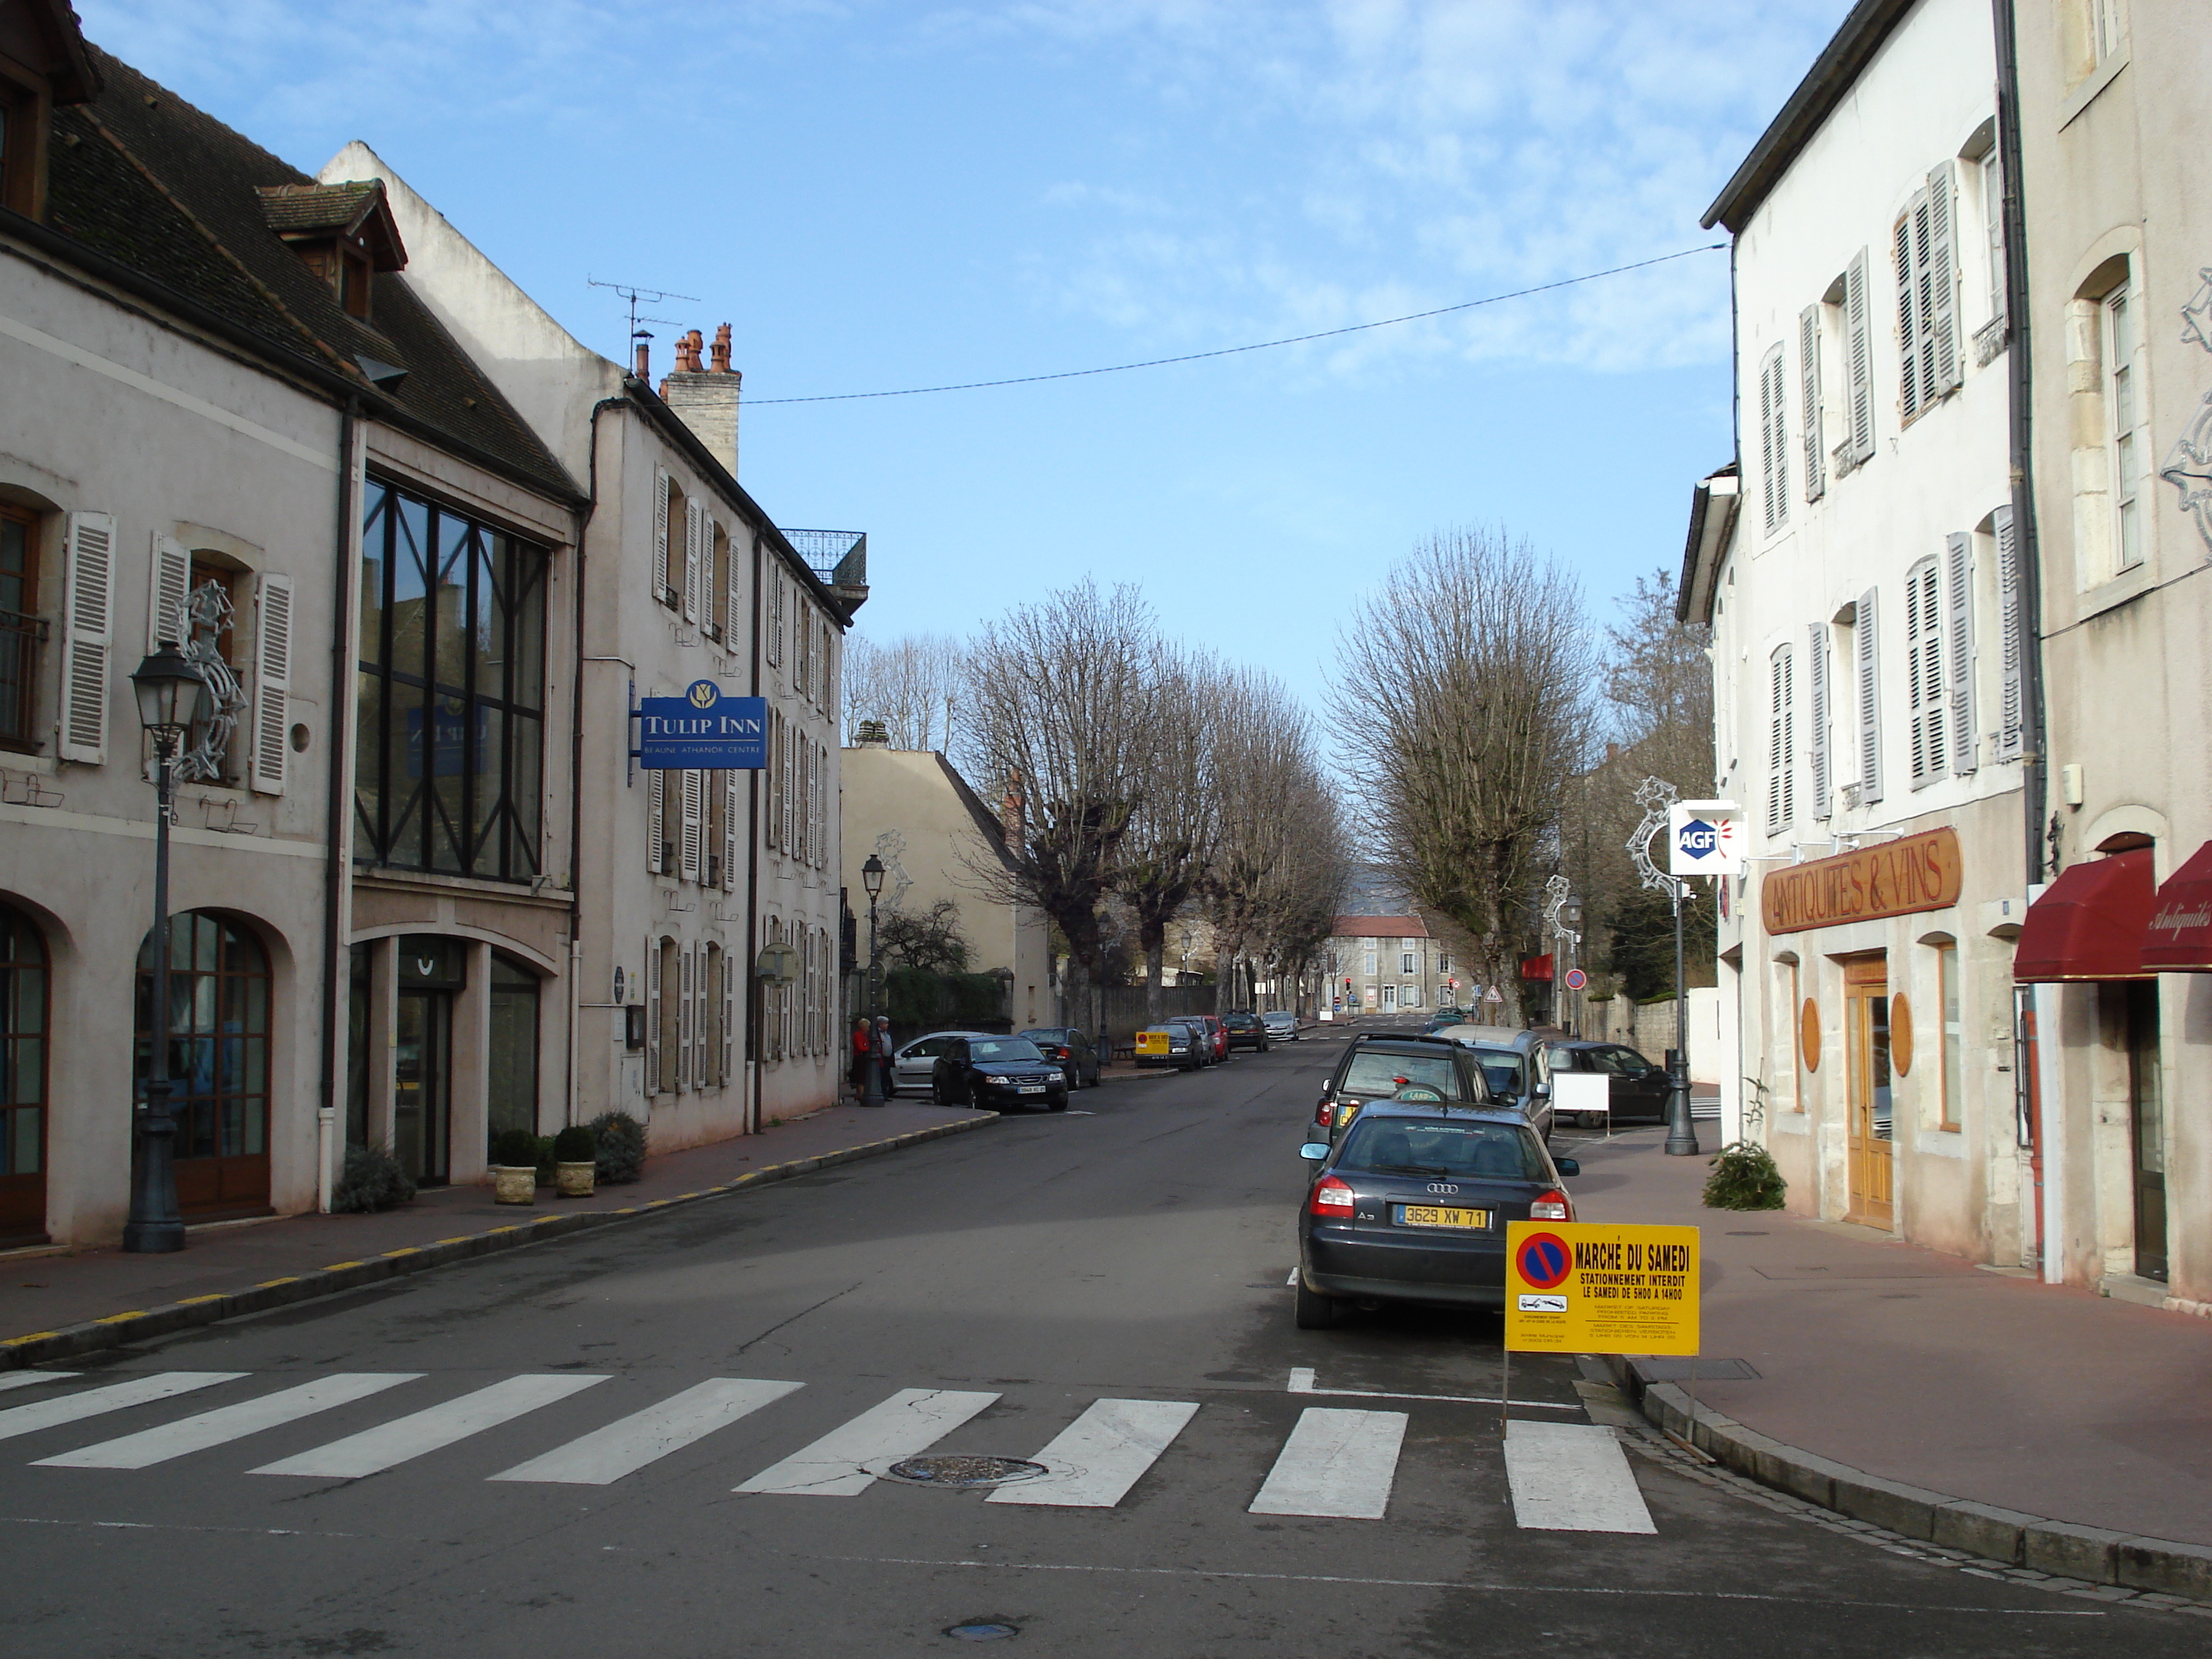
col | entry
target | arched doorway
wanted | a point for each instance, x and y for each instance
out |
(220, 996)
(24, 996)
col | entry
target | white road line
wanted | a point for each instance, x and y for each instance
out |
(1293, 1278)
(1335, 1462)
(1572, 1477)
(228, 1423)
(24, 1379)
(1096, 1459)
(1302, 1382)
(92, 1402)
(910, 1421)
(375, 1449)
(605, 1455)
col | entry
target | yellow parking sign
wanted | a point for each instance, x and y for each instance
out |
(1595, 1287)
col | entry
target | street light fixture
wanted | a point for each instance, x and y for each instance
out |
(171, 694)
(872, 1087)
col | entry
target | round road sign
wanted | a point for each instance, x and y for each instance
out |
(1576, 979)
(1545, 1260)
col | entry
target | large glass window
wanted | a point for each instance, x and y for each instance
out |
(513, 1102)
(22, 1078)
(450, 748)
(22, 632)
(219, 1020)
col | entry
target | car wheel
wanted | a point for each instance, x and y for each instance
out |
(937, 1093)
(1056, 1102)
(1312, 1312)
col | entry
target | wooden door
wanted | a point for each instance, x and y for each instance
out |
(1869, 1126)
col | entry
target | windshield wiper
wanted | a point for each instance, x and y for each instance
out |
(1413, 1169)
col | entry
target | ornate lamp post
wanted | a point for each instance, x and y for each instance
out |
(871, 878)
(1656, 795)
(170, 695)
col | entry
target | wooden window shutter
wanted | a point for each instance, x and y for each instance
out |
(1867, 653)
(1773, 464)
(2012, 702)
(772, 818)
(1908, 314)
(702, 1023)
(732, 816)
(1816, 735)
(1942, 278)
(173, 586)
(1781, 742)
(732, 976)
(1808, 384)
(660, 532)
(87, 635)
(1859, 356)
(1780, 421)
(1924, 672)
(656, 819)
(822, 806)
(693, 825)
(683, 1019)
(787, 806)
(651, 1015)
(733, 620)
(272, 680)
(695, 562)
(775, 619)
(1959, 649)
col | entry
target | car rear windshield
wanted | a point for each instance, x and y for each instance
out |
(1481, 1152)
(1002, 1050)
(1375, 1073)
(1502, 1069)
(1047, 1035)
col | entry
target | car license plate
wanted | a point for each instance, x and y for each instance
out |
(1033, 1088)
(1432, 1215)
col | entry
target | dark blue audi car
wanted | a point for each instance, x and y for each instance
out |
(1411, 1203)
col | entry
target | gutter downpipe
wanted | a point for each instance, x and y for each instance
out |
(585, 514)
(336, 863)
(756, 1007)
(2043, 1022)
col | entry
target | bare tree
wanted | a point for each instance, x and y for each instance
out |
(1171, 841)
(911, 685)
(1460, 698)
(1059, 693)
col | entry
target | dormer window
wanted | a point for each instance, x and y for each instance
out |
(44, 66)
(342, 232)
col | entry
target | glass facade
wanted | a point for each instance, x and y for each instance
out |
(512, 1101)
(219, 1030)
(449, 754)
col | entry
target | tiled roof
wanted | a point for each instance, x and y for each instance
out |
(317, 207)
(1379, 927)
(143, 178)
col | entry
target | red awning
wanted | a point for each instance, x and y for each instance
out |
(1536, 967)
(2089, 924)
(2179, 937)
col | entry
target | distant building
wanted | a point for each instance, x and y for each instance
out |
(1389, 964)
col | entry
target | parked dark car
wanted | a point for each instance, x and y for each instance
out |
(1636, 1088)
(1410, 1205)
(1001, 1072)
(1177, 1043)
(1244, 1030)
(1077, 1054)
(1512, 1075)
(1202, 1039)
(1376, 1065)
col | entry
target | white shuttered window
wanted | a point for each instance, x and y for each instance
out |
(1858, 359)
(1959, 649)
(1781, 741)
(1867, 663)
(1809, 398)
(1774, 440)
(272, 681)
(87, 635)
(173, 586)
(1821, 771)
(2012, 705)
(1927, 693)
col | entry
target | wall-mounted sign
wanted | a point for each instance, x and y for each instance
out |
(776, 964)
(1890, 878)
(703, 728)
(1704, 838)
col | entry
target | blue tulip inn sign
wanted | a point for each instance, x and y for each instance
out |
(703, 728)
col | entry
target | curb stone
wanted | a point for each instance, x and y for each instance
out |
(2007, 1536)
(114, 1330)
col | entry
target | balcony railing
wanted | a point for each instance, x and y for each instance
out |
(21, 636)
(839, 557)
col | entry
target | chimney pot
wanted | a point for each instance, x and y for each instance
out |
(644, 361)
(720, 361)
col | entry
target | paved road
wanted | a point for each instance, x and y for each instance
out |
(657, 1442)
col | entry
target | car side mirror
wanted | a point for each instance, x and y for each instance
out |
(1567, 1166)
(1543, 1089)
(1314, 1151)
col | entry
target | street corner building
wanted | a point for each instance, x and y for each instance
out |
(242, 418)
(1957, 672)
(1387, 964)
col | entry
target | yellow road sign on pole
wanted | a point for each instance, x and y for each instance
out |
(1596, 1287)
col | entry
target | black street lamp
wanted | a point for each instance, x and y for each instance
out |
(171, 693)
(871, 878)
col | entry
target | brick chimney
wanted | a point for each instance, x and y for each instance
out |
(706, 399)
(1013, 810)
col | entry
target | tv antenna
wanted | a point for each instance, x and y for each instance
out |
(649, 296)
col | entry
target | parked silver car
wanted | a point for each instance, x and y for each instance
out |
(914, 1066)
(1282, 1024)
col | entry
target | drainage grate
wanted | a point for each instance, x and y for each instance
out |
(963, 1471)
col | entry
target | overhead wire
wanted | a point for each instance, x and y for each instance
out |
(1259, 345)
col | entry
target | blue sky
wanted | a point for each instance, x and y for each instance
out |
(886, 195)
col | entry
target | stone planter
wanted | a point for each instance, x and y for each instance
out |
(576, 1180)
(514, 1184)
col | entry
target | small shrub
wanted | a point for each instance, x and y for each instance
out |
(575, 1144)
(621, 1141)
(1744, 1177)
(372, 1180)
(514, 1149)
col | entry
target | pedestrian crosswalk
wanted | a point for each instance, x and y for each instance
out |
(1335, 1463)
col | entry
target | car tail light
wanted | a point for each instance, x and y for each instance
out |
(1553, 1205)
(1325, 1113)
(1332, 1198)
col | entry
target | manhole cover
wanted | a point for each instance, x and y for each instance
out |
(963, 1471)
(980, 1631)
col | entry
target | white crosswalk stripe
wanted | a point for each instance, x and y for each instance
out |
(605, 1455)
(1095, 1460)
(910, 1422)
(1572, 1477)
(373, 1450)
(115, 1397)
(25, 1379)
(1335, 1462)
(228, 1423)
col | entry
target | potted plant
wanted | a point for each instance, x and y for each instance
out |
(514, 1166)
(575, 1161)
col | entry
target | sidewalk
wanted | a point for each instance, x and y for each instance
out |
(53, 1304)
(1926, 1371)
